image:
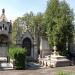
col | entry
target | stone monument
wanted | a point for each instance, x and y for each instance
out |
(5, 35)
(58, 60)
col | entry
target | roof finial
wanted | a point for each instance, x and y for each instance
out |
(3, 11)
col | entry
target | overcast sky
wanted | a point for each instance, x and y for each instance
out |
(16, 8)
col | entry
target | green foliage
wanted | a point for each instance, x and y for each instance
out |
(18, 54)
(51, 15)
(63, 73)
(59, 21)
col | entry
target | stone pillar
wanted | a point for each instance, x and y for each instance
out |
(35, 50)
(8, 58)
(32, 51)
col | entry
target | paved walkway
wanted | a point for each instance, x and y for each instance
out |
(43, 71)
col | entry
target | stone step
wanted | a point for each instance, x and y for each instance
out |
(6, 65)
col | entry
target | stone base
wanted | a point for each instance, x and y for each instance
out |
(54, 61)
(4, 64)
(59, 61)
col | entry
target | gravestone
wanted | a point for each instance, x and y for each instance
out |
(44, 47)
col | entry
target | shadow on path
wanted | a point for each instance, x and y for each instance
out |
(33, 66)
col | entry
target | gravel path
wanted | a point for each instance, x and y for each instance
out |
(43, 71)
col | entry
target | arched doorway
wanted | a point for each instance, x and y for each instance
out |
(27, 44)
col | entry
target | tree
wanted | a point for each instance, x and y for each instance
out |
(67, 26)
(51, 15)
(59, 20)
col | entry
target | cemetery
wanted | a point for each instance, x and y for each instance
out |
(39, 41)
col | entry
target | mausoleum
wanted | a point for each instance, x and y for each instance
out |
(29, 41)
(5, 34)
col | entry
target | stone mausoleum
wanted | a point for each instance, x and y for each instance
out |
(29, 41)
(5, 34)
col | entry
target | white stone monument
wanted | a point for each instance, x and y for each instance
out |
(58, 60)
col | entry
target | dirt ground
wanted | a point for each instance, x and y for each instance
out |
(42, 71)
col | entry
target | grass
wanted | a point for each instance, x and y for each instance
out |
(64, 73)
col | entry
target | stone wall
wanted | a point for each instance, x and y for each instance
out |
(3, 51)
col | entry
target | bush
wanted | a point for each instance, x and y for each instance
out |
(18, 54)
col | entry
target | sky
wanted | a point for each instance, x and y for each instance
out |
(17, 8)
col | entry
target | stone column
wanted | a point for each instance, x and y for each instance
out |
(35, 50)
(8, 58)
(32, 51)
(35, 45)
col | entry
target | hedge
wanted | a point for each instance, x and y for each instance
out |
(18, 54)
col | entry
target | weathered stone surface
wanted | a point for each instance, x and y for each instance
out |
(3, 51)
(59, 61)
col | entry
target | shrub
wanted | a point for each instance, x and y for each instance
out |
(18, 54)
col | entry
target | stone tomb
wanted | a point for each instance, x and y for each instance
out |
(59, 61)
(54, 60)
(5, 35)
